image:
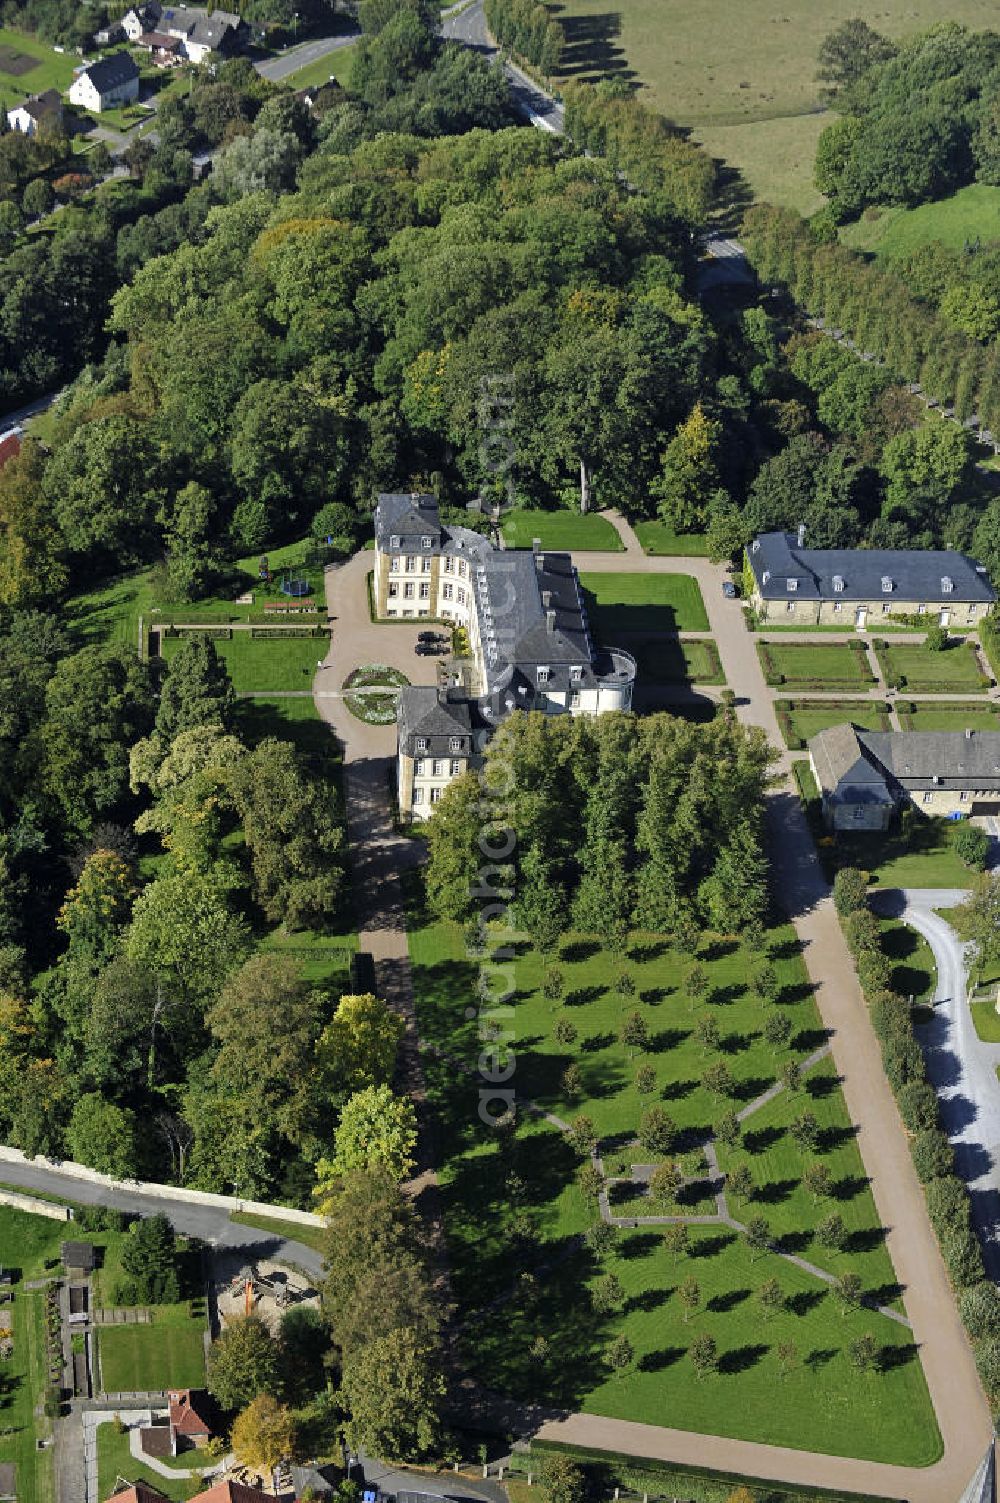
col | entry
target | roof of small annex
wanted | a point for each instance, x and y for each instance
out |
(139, 1492)
(847, 757)
(186, 1413)
(783, 568)
(49, 102)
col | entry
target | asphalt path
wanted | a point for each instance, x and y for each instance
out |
(189, 1218)
(960, 1066)
(468, 25)
(294, 58)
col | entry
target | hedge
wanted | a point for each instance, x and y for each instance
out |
(218, 633)
(948, 1205)
(989, 641)
(273, 633)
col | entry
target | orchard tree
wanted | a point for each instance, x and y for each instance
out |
(619, 1356)
(704, 1356)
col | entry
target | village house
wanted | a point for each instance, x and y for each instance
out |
(221, 1492)
(861, 587)
(111, 81)
(37, 112)
(186, 1422)
(865, 776)
(142, 18)
(529, 638)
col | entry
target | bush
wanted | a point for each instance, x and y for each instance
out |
(918, 1106)
(980, 1310)
(861, 930)
(988, 1364)
(932, 1155)
(962, 1258)
(936, 639)
(850, 890)
(947, 1204)
(890, 1014)
(874, 971)
(972, 845)
(902, 1060)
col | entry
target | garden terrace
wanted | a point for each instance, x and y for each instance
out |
(976, 715)
(956, 668)
(626, 605)
(673, 660)
(815, 665)
(800, 720)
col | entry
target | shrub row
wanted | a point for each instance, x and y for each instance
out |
(786, 708)
(272, 633)
(218, 633)
(948, 1203)
(989, 640)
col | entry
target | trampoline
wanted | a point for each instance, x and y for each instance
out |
(294, 586)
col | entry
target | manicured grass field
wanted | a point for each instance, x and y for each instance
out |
(262, 665)
(28, 66)
(822, 1404)
(674, 660)
(987, 1022)
(658, 538)
(978, 715)
(822, 665)
(114, 1460)
(565, 531)
(924, 858)
(291, 1231)
(914, 973)
(334, 65)
(800, 722)
(970, 214)
(620, 605)
(167, 1353)
(914, 667)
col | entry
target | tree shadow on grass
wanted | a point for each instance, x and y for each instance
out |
(581, 995)
(804, 1301)
(595, 1042)
(666, 1039)
(865, 1240)
(676, 1090)
(752, 1087)
(884, 1294)
(718, 949)
(710, 1247)
(762, 1138)
(821, 1086)
(648, 1300)
(891, 1356)
(591, 50)
(638, 1245)
(721, 1304)
(723, 996)
(810, 1039)
(580, 949)
(741, 1358)
(775, 1191)
(664, 1357)
(819, 1357)
(654, 950)
(654, 995)
(835, 1137)
(850, 1186)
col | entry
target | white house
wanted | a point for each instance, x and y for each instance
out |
(37, 111)
(109, 82)
(140, 19)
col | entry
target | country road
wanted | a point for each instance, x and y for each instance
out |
(294, 58)
(468, 25)
(188, 1218)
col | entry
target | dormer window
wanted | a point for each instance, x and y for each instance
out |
(575, 674)
(838, 584)
(791, 585)
(765, 576)
(947, 585)
(456, 743)
(886, 585)
(421, 743)
(543, 675)
(394, 540)
(426, 542)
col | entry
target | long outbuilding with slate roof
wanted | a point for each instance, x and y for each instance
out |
(864, 776)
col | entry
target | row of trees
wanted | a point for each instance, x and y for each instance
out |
(529, 29)
(903, 1059)
(877, 309)
(916, 121)
(618, 823)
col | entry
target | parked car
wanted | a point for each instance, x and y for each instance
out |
(427, 636)
(729, 589)
(426, 649)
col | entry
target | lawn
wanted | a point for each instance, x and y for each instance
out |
(264, 665)
(620, 605)
(114, 1460)
(334, 65)
(291, 1231)
(978, 715)
(659, 538)
(800, 721)
(325, 959)
(972, 213)
(775, 157)
(987, 1021)
(167, 1353)
(295, 720)
(824, 1405)
(913, 666)
(818, 665)
(28, 66)
(918, 854)
(565, 531)
(674, 660)
(914, 973)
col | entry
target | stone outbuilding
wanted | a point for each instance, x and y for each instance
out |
(865, 776)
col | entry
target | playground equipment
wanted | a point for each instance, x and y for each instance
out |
(251, 1284)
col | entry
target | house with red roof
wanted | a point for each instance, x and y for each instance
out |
(187, 1422)
(222, 1492)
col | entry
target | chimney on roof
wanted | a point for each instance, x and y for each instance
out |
(536, 545)
(968, 734)
(802, 534)
(550, 620)
(547, 599)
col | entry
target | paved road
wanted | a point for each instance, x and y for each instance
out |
(294, 58)
(394, 1480)
(188, 1218)
(960, 1065)
(468, 25)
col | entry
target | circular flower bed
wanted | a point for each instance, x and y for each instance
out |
(377, 686)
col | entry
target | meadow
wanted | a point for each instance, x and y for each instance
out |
(970, 214)
(515, 1213)
(28, 66)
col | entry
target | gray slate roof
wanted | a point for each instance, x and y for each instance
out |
(916, 574)
(39, 105)
(406, 515)
(435, 717)
(849, 760)
(112, 71)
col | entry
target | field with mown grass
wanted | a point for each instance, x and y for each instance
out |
(799, 722)
(972, 213)
(266, 665)
(334, 65)
(29, 66)
(660, 539)
(623, 605)
(514, 1288)
(561, 531)
(818, 665)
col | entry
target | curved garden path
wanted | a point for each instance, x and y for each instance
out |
(379, 854)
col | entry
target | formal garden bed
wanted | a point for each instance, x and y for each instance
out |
(373, 707)
(514, 1209)
(815, 665)
(800, 720)
(976, 715)
(952, 670)
(671, 660)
